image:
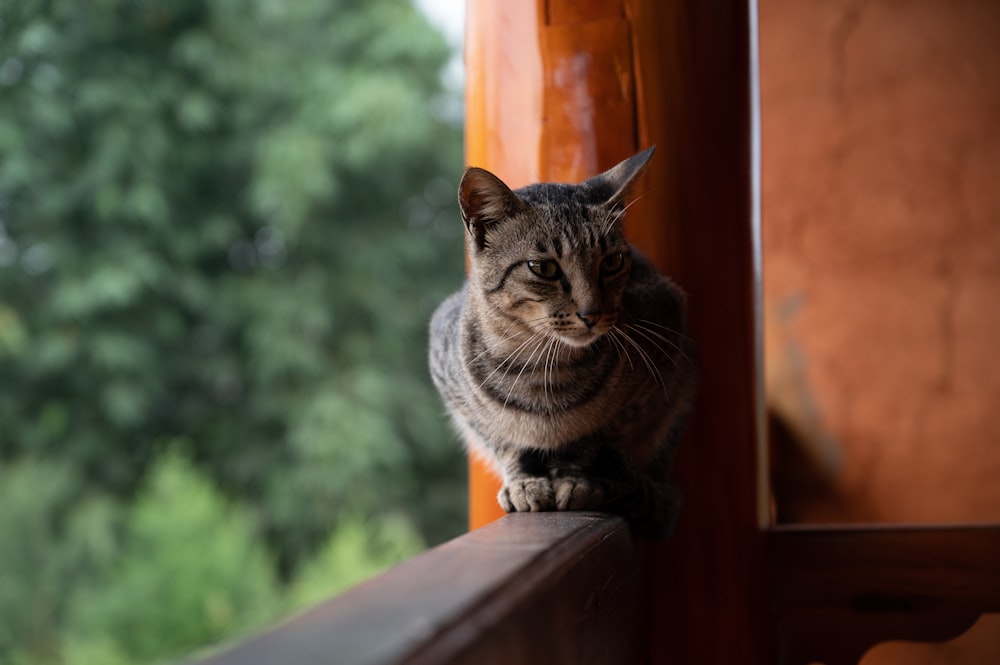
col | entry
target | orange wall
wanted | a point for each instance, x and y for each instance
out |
(881, 238)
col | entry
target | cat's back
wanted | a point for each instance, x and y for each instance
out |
(445, 364)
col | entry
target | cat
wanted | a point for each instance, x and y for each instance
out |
(564, 359)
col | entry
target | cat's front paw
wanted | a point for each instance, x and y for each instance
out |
(578, 493)
(527, 495)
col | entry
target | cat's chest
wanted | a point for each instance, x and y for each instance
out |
(545, 408)
(544, 430)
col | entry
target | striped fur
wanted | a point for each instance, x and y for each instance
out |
(564, 359)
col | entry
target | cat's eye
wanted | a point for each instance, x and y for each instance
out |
(546, 268)
(612, 263)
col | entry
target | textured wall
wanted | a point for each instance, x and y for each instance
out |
(881, 186)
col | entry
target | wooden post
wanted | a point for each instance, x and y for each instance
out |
(503, 123)
(559, 90)
(696, 78)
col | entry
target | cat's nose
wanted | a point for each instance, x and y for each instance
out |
(589, 319)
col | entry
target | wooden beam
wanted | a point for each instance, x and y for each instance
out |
(685, 81)
(545, 589)
(696, 92)
(837, 591)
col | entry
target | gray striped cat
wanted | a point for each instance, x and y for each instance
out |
(564, 359)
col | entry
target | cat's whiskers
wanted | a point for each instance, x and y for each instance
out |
(502, 340)
(545, 339)
(644, 356)
(619, 347)
(652, 341)
(540, 341)
(543, 358)
(666, 328)
(511, 357)
(504, 337)
(649, 334)
(617, 335)
(549, 368)
(618, 214)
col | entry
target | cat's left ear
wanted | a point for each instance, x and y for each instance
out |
(610, 187)
(485, 201)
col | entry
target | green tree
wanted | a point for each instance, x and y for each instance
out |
(227, 223)
(355, 551)
(223, 228)
(46, 550)
(189, 573)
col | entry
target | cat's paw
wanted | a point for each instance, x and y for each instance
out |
(526, 495)
(578, 493)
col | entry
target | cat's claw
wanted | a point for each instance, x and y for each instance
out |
(527, 496)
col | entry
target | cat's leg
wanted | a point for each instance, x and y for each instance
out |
(577, 492)
(649, 499)
(527, 486)
(584, 475)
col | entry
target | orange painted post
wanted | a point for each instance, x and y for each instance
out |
(550, 95)
(483, 488)
(559, 90)
(502, 129)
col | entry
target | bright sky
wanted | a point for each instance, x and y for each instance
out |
(449, 17)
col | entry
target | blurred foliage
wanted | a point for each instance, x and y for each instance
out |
(356, 546)
(223, 228)
(189, 572)
(39, 556)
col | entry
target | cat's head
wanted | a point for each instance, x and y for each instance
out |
(551, 258)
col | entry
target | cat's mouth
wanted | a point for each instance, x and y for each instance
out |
(583, 332)
(581, 338)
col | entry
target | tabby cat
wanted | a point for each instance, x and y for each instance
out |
(564, 359)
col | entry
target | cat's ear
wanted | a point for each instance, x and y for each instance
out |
(485, 201)
(610, 187)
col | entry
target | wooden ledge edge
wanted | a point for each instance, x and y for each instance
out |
(488, 590)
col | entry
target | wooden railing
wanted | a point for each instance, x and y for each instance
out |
(546, 588)
(569, 588)
(837, 591)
